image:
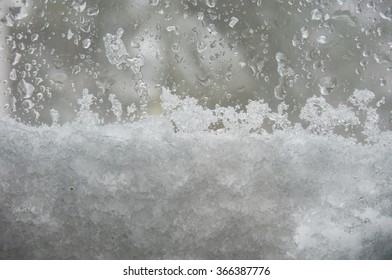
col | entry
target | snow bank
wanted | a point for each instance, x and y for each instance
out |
(146, 190)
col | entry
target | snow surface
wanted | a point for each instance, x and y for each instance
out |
(162, 188)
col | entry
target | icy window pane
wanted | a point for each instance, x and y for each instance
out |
(195, 129)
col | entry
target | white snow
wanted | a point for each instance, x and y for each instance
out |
(165, 188)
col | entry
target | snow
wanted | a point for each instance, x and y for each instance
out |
(160, 189)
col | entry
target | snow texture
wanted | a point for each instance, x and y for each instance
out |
(159, 188)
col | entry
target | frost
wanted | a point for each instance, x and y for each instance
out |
(156, 193)
(195, 129)
(324, 118)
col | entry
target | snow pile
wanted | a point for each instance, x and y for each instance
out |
(198, 183)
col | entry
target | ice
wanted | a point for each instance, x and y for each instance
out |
(233, 21)
(25, 89)
(195, 130)
(170, 186)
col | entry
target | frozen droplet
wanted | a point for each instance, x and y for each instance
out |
(76, 69)
(322, 39)
(79, 5)
(116, 106)
(283, 68)
(176, 47)
(304, 32)
(327, 84)
(69, 34)
(387, 14)
(25, 89)
(201, 46)
(200, 15)
(16, 58)
(316, 14)
(93, 11)
(211, 3)
(383, 82)
(366, 53)
(27, 104)
(212, 29)
(153, 2)
(173, 28)
(86, 43)
(34, 37)
(54, 115)
(233, 21)
(13, 75)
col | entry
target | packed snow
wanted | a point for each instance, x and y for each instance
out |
(170, 187)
